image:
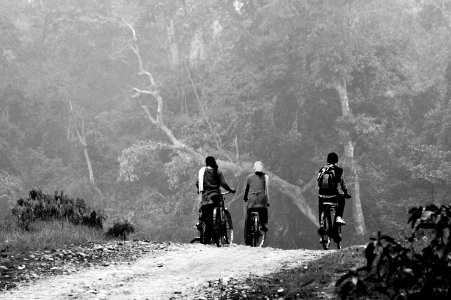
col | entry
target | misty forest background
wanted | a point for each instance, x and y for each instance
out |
(118, 102)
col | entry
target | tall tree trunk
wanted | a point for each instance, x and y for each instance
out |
(89, 165)
(357, 212)
(82, 139)
(173, 47)
(197, 49)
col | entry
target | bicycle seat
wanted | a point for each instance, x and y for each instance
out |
(329, 204)
(254, 213)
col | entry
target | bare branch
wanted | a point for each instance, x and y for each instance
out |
(131, 28)
(149, 116)
(142, 71)
(139, 91)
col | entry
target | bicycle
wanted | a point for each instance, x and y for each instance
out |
(222, 224)
(222, 231)
(329, 230)
(256, 234)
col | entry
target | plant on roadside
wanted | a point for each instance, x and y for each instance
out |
(404, 269)
(44, 207)
(121, 229)
(23, 213)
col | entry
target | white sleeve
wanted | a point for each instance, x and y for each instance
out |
(266, 184)
(201, 179)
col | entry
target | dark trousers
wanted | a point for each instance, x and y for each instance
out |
(207, 217)
(263, 212)
(339, 199)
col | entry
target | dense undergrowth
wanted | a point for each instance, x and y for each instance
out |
(44, 207)
(416, 267)
(44, 221)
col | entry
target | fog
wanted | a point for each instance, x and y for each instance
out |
(119, 103)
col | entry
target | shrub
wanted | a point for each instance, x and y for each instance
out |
(40, 206)
(23, 213)
(121, 229)
(407, 269)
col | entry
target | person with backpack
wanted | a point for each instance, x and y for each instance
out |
(256, 196)
(330, 177)
(210, 180)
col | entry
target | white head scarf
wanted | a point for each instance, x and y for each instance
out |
(258, 166)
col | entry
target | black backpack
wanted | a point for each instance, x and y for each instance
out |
(326, 179)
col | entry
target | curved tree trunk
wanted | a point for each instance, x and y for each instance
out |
(349, 153)
(294, 193)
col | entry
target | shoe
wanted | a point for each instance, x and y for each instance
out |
(264, 228)
(340, 221)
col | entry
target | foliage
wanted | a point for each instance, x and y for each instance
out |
(23, 213)
(244, 80)
(121, 229)
(407, 269)
(44, 207)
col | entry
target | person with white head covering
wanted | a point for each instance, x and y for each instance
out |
(256, 196)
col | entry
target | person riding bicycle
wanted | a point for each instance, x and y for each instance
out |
(256, 196)
(329, 178)
(209, 181)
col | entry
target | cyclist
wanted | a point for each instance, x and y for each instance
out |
(256, 196)
(209, 181)
(329, 177)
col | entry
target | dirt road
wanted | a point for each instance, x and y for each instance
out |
(175, 272)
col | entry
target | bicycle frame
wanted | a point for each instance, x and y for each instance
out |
(255, 230)
(331, 229)
(222, 223)
(220, 234)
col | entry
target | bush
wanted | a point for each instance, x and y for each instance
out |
(40, 206)
(23, 213)
(407, 269)
(121, 229)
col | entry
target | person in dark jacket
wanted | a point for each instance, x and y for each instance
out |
(209, 182)
(328, 192)
(256, 196)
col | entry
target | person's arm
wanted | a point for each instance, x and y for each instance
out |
(343, 186)
(199, 200)
(267, 187)
(246, 190)
(224, 184)
(197, 185)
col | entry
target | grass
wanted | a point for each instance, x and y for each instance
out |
(317, 279)
(45, 235)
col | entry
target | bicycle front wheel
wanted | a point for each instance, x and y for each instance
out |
(228, 228)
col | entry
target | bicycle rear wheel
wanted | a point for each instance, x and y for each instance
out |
(325, 238)
(217, 226)
(258, 235)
